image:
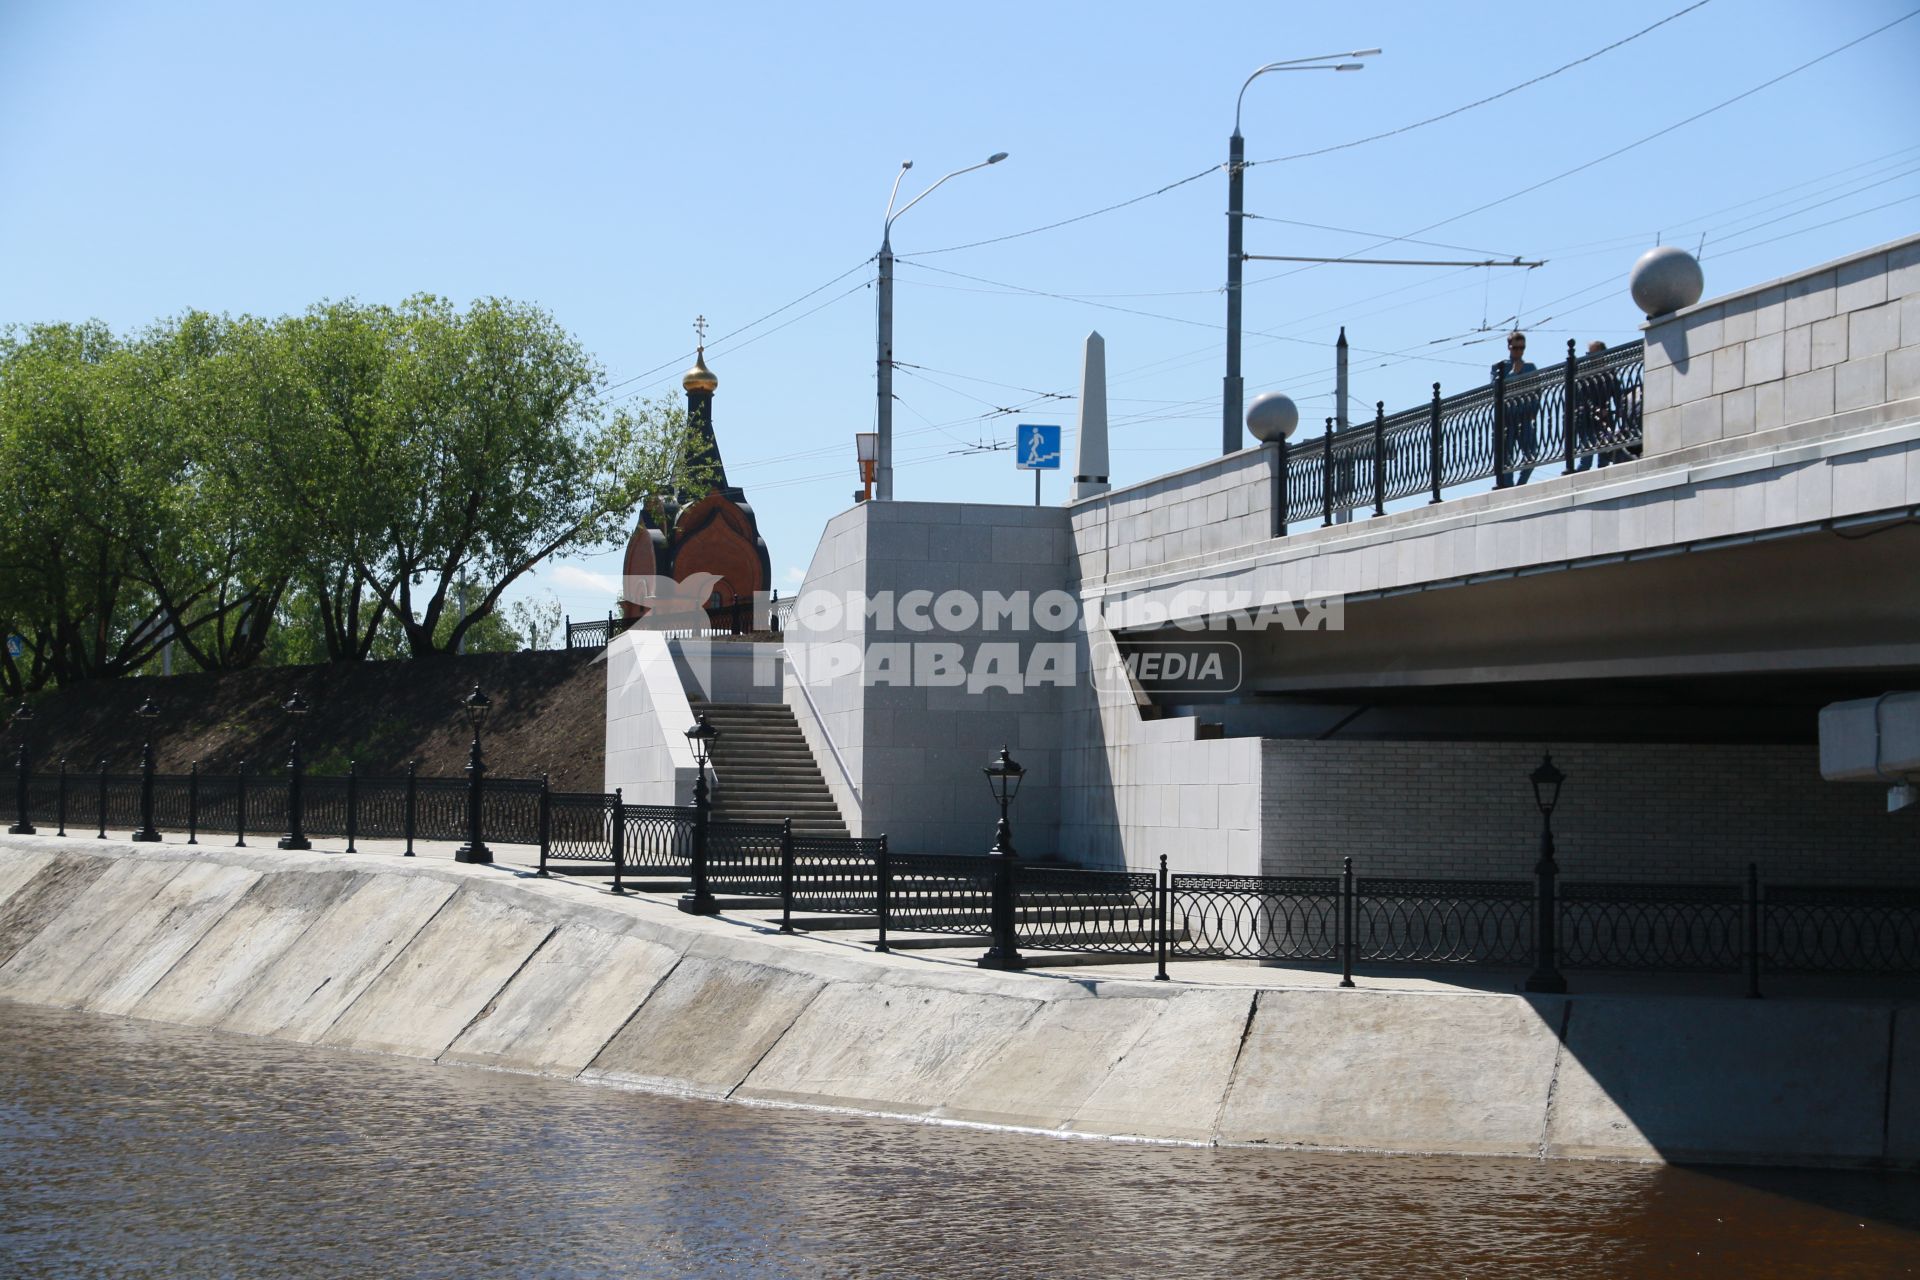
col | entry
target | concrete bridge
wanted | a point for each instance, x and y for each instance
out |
(1669, 626)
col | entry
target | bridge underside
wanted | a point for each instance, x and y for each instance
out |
(1740, 641)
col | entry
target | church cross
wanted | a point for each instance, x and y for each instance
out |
(700, 329)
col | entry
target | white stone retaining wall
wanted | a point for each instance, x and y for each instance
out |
(916, 750)
(648, 758)
(480, 967)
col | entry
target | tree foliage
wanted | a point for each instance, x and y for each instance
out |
(330, 484)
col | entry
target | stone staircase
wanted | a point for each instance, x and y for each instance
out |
(766, 770)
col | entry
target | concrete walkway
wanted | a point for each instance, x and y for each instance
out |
(493, 966)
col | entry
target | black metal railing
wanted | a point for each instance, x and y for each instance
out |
(741, 617)
(1256, 917)
(597, 634)
(1347, 919)
(1580, 413)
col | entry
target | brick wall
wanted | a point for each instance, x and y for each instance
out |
(1627, 812)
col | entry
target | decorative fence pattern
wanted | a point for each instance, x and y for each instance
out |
(1497, 432)
(1749, 929)
(734, 618)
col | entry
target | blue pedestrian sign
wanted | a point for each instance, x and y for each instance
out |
(1037, 448)
(15, 646)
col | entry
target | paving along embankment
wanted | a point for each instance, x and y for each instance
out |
(489, 967)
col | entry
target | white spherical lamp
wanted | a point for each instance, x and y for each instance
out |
(1665, 279)
(1272, 417)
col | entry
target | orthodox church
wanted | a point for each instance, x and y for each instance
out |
(683, 536)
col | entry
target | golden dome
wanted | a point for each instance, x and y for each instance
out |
(700, 378)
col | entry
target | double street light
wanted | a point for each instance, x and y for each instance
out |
(1234, 392)
(883, 469)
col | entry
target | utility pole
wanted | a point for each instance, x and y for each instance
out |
(883, 328)
(1233, 387)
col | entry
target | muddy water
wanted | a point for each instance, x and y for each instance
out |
(134, 1149)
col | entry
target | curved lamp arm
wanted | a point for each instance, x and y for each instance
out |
(1322, 63)
(887, 231)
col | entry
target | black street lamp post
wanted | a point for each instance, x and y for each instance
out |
(476, 705)
(700, 737)
(1546, 976)
(148, 833)
(23, 721)
(296, 837)
(1003, 776)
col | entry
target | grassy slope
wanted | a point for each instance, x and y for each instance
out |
(549, 714)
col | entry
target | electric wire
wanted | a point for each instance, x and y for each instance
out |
(1448, 115)
(1621, 150)
(1357, 142)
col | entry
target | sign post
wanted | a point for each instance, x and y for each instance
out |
(1036, 449)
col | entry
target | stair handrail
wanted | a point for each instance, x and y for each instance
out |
(819, 722)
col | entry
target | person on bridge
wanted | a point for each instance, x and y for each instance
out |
(1599, 399)
(1521, 411)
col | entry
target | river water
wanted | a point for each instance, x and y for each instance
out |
(136, 1149)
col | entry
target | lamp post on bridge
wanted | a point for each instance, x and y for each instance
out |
(1546, 976)
(23, 721)
(1233, 391)
(1003, 777)
(883, 355)
(148, 833)
(476, 705)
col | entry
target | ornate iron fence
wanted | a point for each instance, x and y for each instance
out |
(746, 857)
(1444, 921)
(1348, 919)
(1697, 927)
(1105, 911)
(836, 875)
(1256, 917)
(1831, 929)
(580, 827)
(940, 893)
(1491, 432)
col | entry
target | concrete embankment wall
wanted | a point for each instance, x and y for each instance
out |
(485, 967)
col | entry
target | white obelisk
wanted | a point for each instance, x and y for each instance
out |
(1090, 445)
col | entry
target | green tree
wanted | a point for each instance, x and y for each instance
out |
(81, 491)
(492, 450)
(214, 556)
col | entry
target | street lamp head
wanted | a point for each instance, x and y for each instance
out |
(1004, 775)
(701, 738)
(1546, 786)
(1364, 53)
(147, 710)
(996, 157)
(476, 705)
(1351, 66)
(296, 706)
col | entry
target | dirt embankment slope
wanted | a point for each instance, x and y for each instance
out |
(548, 715)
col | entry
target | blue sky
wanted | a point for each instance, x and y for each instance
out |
(629, 166)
